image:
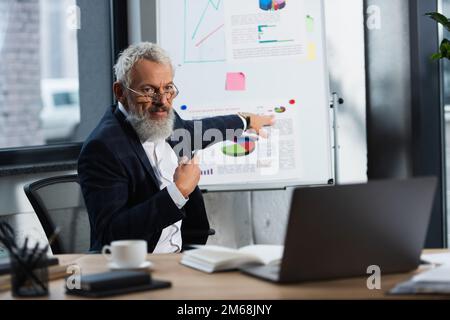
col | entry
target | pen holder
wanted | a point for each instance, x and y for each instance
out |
(29, 274)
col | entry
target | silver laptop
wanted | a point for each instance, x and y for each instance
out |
(338, 232)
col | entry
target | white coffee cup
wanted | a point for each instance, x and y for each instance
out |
(126, 253)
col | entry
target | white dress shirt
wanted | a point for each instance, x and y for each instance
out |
(164, 162)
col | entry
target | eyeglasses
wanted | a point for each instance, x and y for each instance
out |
(170, 92)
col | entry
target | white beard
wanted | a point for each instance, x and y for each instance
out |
(148, 129)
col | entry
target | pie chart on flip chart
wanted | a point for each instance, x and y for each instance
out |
(280, 109)
(243, 146)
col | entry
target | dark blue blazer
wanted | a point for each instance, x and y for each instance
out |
(121, 191)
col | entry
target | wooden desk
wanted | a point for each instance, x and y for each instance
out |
(191, 284)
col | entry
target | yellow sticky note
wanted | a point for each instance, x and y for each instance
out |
(235, 81)
(312, 52)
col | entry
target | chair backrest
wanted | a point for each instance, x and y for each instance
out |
(58, 203)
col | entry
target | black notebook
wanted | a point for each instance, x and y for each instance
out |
(116, 282)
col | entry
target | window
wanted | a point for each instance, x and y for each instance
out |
(39, 101)
(55, 78)
(445, 9)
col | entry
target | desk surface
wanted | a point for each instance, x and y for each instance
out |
(190, 284)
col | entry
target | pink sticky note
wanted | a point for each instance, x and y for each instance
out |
(235, 81)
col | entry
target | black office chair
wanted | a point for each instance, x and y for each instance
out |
(58, 202)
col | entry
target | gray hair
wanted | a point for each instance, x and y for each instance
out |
(143, 50)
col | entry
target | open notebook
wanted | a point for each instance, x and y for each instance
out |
(216, 258)
(435, 280)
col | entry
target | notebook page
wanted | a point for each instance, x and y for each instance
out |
(268, 254)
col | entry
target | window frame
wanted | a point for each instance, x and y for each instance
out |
(428, 127)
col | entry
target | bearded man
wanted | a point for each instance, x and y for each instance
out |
(134, 184)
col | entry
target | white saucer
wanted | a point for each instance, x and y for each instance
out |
(145, 265)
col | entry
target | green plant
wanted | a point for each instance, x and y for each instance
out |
(444, 49)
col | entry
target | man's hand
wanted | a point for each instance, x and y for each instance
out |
(187, 176)
(257, 123)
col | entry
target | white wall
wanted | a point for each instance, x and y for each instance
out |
(346, 59)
